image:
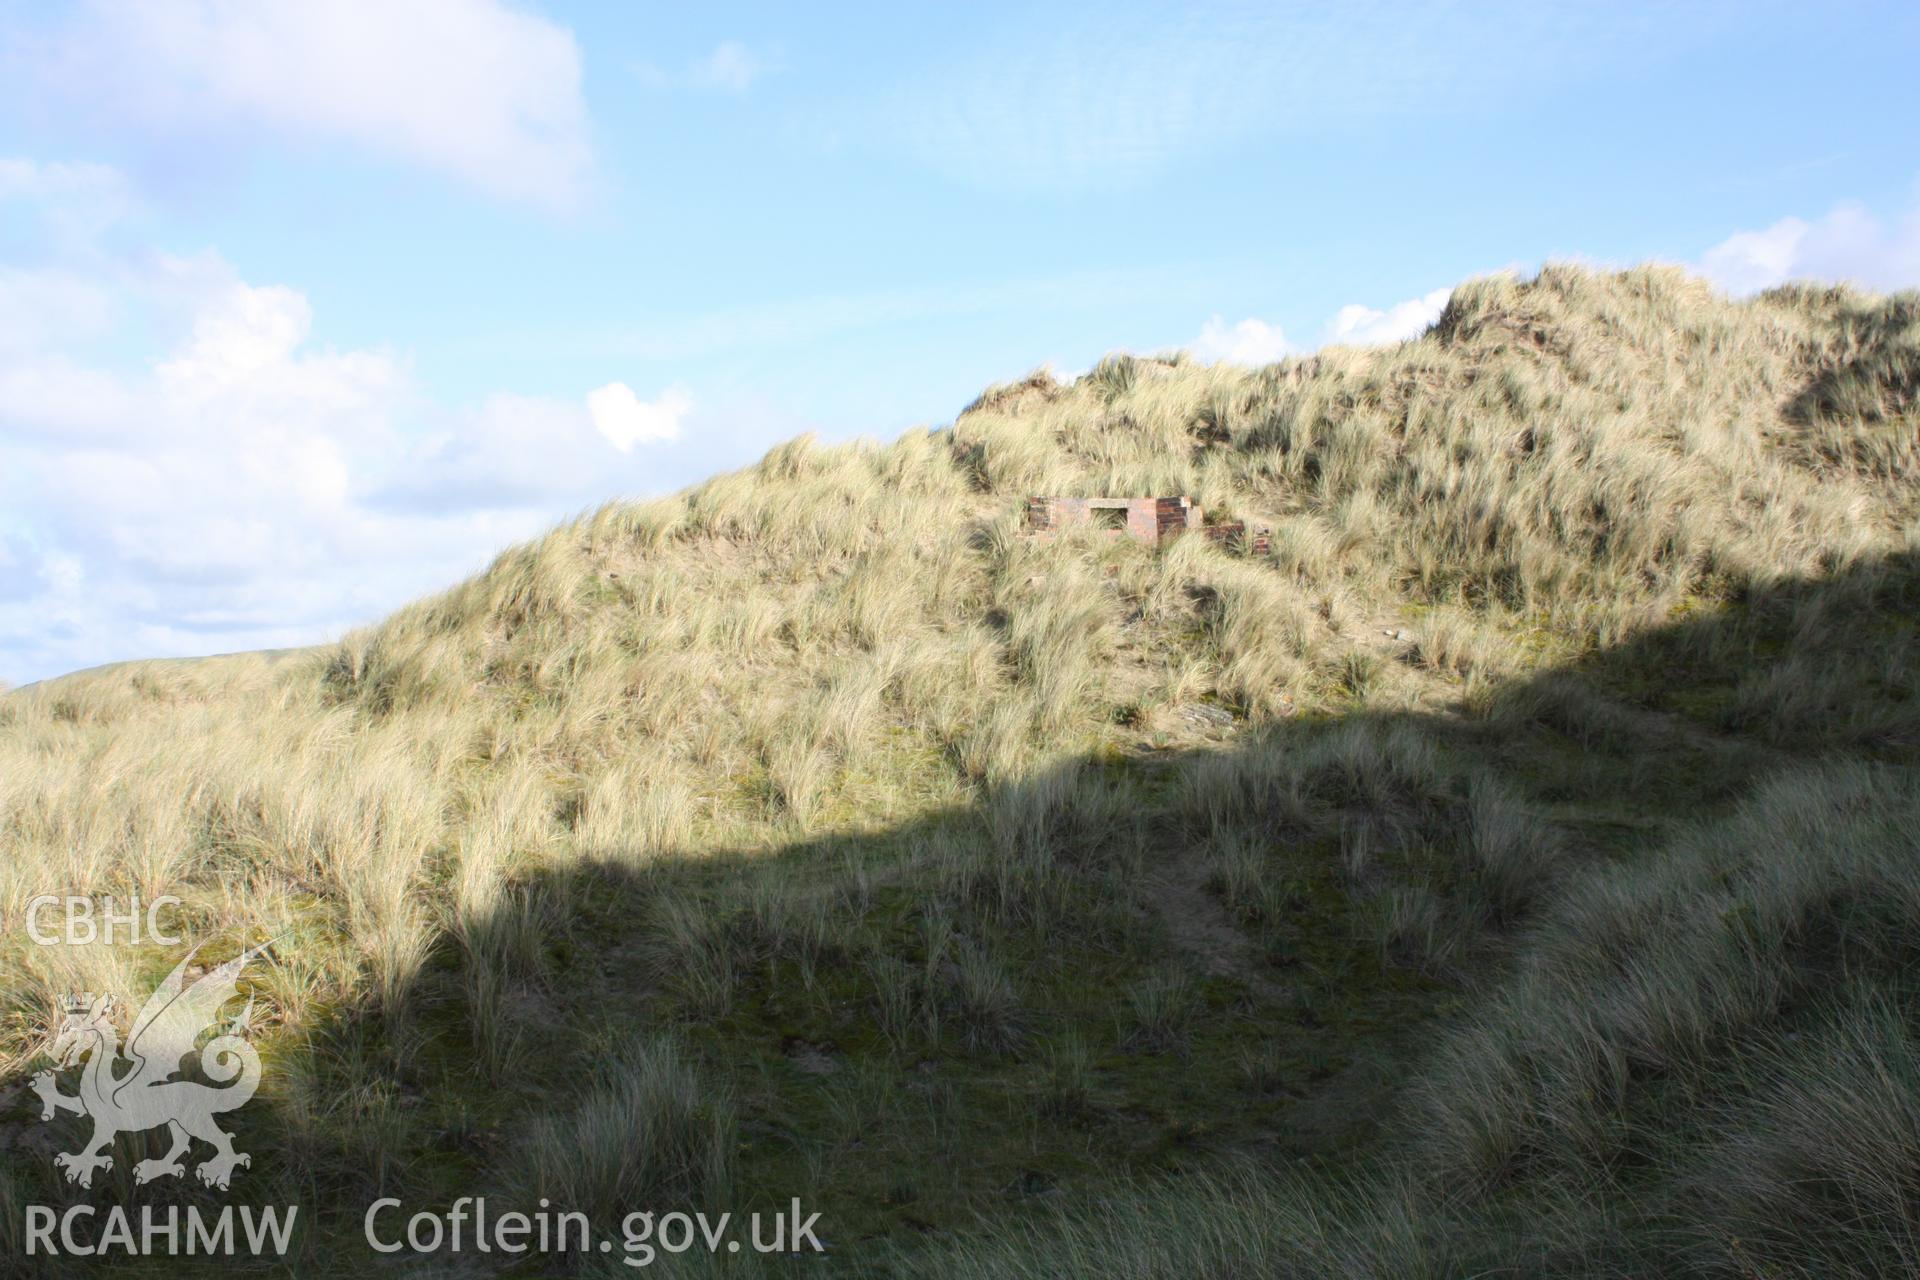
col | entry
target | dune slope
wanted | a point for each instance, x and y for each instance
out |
(1514, 867)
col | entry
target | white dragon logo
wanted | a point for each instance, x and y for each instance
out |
(146, 1094)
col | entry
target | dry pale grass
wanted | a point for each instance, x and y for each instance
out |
(858, 633)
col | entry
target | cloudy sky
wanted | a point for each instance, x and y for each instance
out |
(310, 306)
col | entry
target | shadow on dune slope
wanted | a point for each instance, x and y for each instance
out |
(1128, 966)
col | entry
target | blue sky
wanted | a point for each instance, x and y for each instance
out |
(306, 309)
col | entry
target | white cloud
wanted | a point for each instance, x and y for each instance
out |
(1849, 244)
(242, 485)
(471, 88)
(56, 397)
(232, 457)
(1255, 341)
(1251, 341)
(1361, 326)
(626, 420)
(38, 306)
(77, 200)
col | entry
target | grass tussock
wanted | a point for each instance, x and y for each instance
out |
(648, 1134)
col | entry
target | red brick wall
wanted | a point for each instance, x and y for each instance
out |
(1173, 515)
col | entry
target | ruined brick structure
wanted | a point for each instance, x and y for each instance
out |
(1148, 520)
(1144, 519)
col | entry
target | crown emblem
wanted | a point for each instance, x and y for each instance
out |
(77, 1002)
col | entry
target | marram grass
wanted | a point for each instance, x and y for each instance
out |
(1512, 872)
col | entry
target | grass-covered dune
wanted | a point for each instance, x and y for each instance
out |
(1516, 871)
